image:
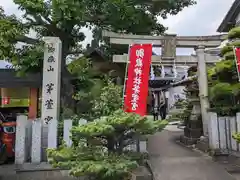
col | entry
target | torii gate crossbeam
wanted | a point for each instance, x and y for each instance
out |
(169, 43)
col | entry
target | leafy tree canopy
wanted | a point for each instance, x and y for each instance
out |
(224, 91)
(64, 19)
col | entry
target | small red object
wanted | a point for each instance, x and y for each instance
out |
(5, 100)
(8, 137)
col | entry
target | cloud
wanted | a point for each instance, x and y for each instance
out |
(201, 19)
(198, 20)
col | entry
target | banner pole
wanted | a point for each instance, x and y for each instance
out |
(236, 60)
(126, 73)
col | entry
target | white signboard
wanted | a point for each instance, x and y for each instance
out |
(51, 87)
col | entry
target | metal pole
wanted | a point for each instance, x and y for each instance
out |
(126, 73)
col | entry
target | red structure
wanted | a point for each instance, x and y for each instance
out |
(8, 112)
(8, 137)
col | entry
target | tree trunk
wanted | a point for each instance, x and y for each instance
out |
(110, 144)
(67, 91)
(67, 88)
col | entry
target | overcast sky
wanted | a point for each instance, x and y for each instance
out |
(201, 19)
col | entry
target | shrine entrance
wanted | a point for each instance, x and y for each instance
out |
(168, 59)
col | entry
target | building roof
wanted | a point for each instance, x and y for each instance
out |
(229, 20)
(10, 80)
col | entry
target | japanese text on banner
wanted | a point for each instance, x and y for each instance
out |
(138, 76)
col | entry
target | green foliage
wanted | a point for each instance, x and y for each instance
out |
(185, 109)
(10, 30)
(99, 147)
(180, 103)
(65, 19)
(234, 33)
(179, 116)
(229, 47)
(88, 84)
(236, 136)
(224, 94)
(229, 55)
(85, 79)
(93, 162)
(80, 68)
(105, 157)
(223, 68)
(109, 101)
(99, 99)
(117, 130)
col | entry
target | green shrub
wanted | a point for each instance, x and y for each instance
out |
(105, 157)
(229, 47)
(236, 136)
(99, 147)
(234, 33)
(224, 87)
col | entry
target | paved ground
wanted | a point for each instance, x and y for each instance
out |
(171, 161)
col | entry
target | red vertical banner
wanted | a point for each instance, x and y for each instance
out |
(138, 76)
(237, 56)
